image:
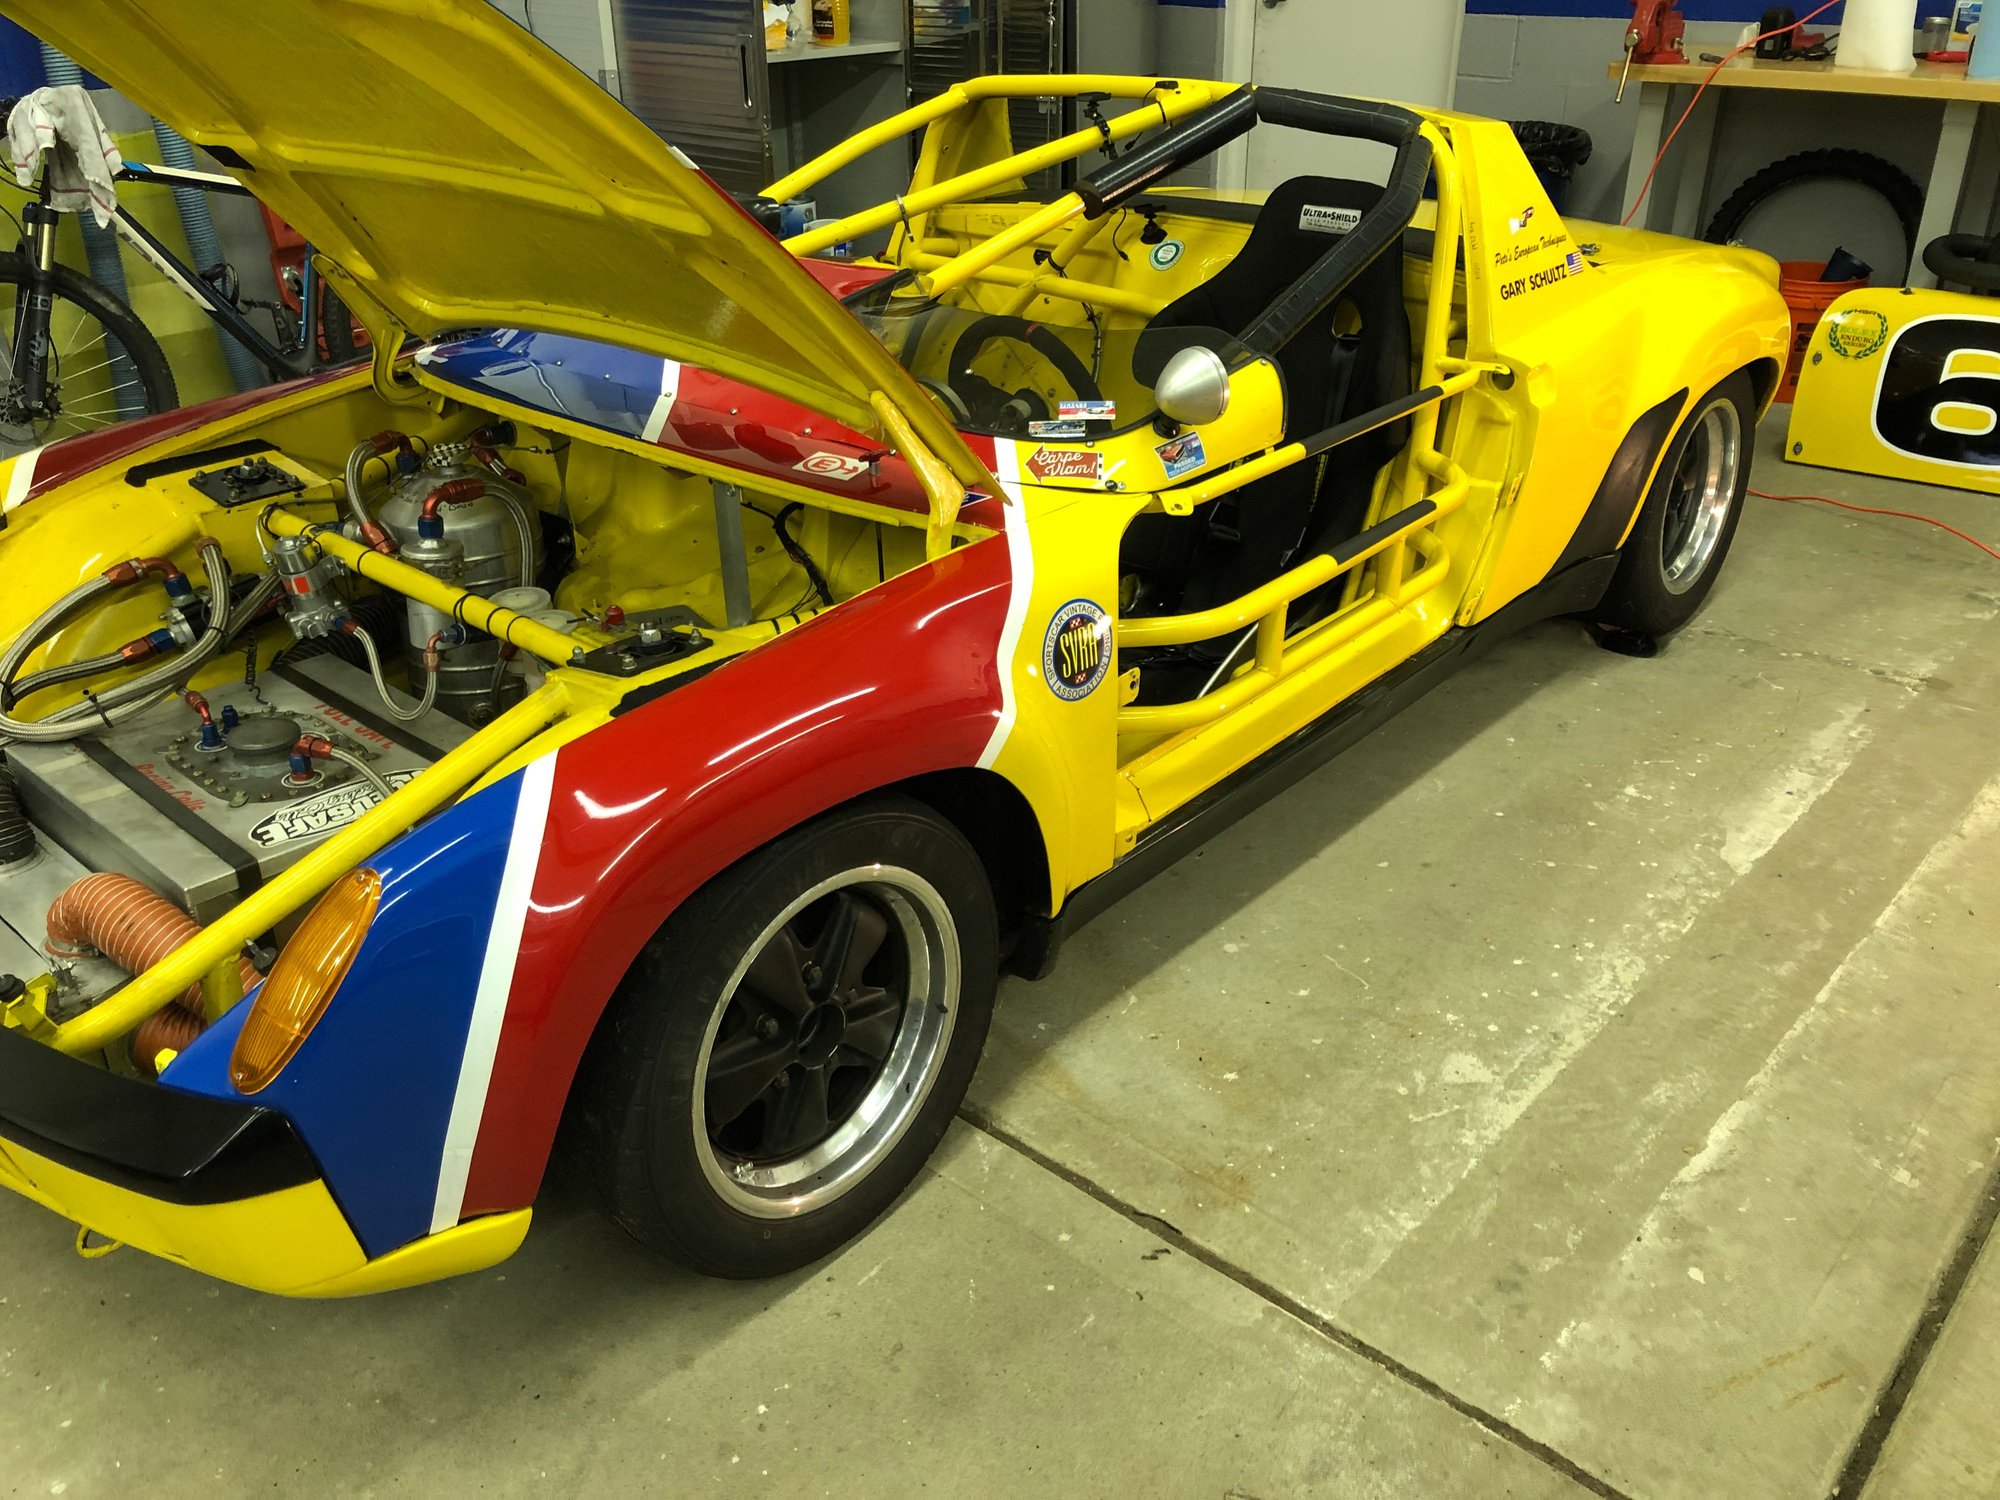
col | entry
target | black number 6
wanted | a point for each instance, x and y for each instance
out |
(1940, 392)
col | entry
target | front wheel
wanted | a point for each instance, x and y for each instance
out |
(1677, 545)
(788, 1050)
(101, 364)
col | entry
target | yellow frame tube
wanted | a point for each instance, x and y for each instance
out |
(1272, 598)
(1171, 718)
(960, 95)
(1079, 239)
(220, 941)
(1025, 232)
(1091, 293)
(1422, 449)
(481, 614)
(1172, 106)
(1183, 500)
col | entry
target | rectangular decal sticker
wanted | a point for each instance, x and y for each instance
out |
(832, 466)
(1318, 219)
(1057, 430)
(1183, 455)
(1066, 463)
(1087, 411)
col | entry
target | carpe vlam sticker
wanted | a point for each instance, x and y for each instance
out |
(1076, 652)
(1183, 455)
(1065, 463)
(1857, 333)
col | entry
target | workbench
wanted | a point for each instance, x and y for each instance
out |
(1658, 83)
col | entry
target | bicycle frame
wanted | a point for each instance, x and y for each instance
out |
(282, 363)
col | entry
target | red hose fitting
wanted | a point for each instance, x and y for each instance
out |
(138, 650)
(199, 704)
(452, 492)
(389, 441)
(313, 747)
(375, 538)
(133, 569)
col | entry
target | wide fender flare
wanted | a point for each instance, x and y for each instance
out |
(644, 810)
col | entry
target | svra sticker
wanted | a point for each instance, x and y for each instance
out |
(1076, 651)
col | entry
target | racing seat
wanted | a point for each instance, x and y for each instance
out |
(1245, 539)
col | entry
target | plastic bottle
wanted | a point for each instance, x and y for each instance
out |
(831, 26)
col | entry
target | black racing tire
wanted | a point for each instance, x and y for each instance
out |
(1969, 260)
(154, 376)
(731, 989)
(1889, 181)
(335, 327)
(1683, 532)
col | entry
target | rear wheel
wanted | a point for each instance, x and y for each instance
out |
(1683, 532)
(789, 1049)
(102, 364)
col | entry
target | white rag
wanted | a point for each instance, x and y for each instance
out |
(83, 160)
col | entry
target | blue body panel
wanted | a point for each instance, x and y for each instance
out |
(598, 384)
(371, 1090)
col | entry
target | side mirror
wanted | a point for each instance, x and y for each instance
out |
(1193, 389)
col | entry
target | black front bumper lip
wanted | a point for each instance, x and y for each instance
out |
(154, 1140)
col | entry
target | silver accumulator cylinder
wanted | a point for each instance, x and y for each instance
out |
(487, 543)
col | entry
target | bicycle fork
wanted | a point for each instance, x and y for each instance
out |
(30, 390)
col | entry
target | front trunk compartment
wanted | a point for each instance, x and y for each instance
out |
(327, 691)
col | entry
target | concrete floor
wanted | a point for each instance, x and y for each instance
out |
(1585, 1086)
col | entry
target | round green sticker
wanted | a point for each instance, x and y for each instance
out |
(1857, 333)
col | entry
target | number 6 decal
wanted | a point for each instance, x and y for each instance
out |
(1939, 394)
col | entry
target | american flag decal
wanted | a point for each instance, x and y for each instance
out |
(1573, 263)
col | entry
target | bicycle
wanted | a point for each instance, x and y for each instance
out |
(63, 320)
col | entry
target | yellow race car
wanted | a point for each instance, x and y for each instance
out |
(667, 688)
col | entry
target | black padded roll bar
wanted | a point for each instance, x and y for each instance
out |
(1323, 114)
(1183, 145)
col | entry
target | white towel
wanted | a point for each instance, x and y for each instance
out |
(82, 159)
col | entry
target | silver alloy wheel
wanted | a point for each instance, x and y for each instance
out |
(826, 1041)
(1700, 495)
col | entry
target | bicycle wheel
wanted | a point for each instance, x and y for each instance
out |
(103, 364)
(335, 327)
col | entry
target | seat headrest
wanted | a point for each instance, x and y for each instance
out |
(1300, 222)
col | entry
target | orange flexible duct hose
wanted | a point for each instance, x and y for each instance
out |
(135, 927)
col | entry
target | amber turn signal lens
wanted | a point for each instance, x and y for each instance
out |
(303, 980)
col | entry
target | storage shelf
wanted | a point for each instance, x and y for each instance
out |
(847, 49)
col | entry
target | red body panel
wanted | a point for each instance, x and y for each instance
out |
(63, 461)
(897, 682)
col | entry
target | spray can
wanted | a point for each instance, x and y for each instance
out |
(831, 24)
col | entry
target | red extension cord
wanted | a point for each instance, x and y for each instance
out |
(1647, 186)
(1872, 510)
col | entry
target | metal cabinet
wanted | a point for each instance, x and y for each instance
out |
(697, 71)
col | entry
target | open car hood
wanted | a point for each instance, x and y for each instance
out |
(462, 175)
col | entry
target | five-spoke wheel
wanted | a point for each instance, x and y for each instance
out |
(1676, 548)
(789, 1049)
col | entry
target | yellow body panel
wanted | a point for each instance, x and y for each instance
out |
(1904, 384)
(294, 1242)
